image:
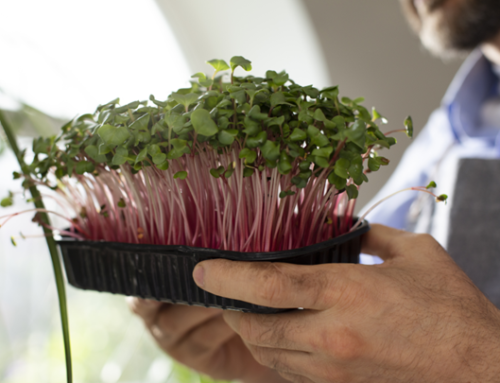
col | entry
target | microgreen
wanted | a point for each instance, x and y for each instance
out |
(253, 164)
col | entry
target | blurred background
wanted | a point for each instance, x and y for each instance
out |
(61, 58)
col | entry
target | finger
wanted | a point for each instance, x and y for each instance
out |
(286, 331)
(282, 361)
(384, 241)
(300, 366)
(279, 285)
(389, 243)
(203, 340)
(145, 308)
(312, 332)
(173, 322)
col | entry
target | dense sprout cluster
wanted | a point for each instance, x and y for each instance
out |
(272, 122)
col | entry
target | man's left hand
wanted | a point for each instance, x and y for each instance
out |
(415, 318)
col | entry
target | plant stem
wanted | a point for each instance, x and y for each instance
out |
(54, 255)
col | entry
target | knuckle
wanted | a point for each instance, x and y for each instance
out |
(343, 345)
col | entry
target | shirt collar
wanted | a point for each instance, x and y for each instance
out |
(474, 83)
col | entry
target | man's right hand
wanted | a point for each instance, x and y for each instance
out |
(200, 339)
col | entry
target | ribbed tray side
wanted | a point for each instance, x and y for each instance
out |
(166, 275)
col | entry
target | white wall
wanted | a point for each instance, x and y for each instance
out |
(276, 34)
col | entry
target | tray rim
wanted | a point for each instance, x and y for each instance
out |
(207, 253)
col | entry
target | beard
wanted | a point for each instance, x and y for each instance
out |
(449, 30)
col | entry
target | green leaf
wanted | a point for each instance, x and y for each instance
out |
(331, 93)
(249, 155)
(352, 191)
(218, 65)
(270, 151)
(159, 158)
(338, 182)
(141, 123)
(319, 115)
(382, 143)
(409, 126)
(339, 122)
(298, 135)
(237, 61)
(255, 113)
(251, 127)
(227, 137)
(93, 153)
(181, 175)
(120, 157)
(185, 99)
(391, 141)
(284, 164)
(163, 165)
(320, 140)
(305, 174)
(321, 161)
(442, 198)
(7, 201)
(323, 152)
(125, 108)
(84, 167)
(312, 131)
(121, 203)
(305, 165)
(431, 185)
(154, 149)
(277, 98)
(341, 167)
(281, 78)
(142, 155)
(203, 123)
(253, 142)
(373, 164)
(112, 135)
(284, 194)
(200, 76)
(214, 173)
(355, 170)
(357, 133)
(248, 172)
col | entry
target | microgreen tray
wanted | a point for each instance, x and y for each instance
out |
(164, 273)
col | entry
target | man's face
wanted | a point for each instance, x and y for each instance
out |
(448, 27)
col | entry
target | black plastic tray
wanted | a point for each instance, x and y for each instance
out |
(164, 273)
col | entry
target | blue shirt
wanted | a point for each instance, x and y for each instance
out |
(456, 130)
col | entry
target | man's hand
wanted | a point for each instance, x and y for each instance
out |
(201, 339)
(415, 318)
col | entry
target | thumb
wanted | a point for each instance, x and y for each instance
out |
(386, 242)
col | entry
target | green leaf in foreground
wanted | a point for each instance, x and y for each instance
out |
(218, 65)
(203, 123)
(181, 175)
(113, 135)
(237, 61)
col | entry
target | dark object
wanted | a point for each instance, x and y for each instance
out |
(164, 273)
(474, 221)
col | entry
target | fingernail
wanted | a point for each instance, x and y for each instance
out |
(199, 276)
